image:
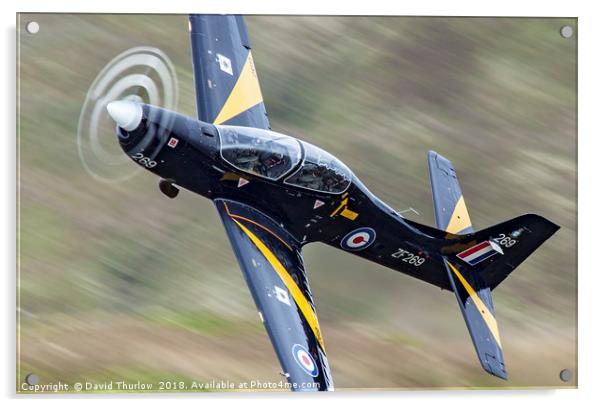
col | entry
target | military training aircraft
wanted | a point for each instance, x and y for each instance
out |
(275, 194)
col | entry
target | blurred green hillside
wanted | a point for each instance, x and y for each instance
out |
(119, 282)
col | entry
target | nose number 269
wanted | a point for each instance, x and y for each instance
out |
(145, 161)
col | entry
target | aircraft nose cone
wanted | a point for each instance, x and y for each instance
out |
(125, 113)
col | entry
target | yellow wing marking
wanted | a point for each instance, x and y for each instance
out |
(302, 303)
(459, 219)
(245, 94)
(485, 313)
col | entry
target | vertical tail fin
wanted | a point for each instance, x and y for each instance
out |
(472, 293)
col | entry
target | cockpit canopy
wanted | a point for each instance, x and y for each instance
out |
(260, 152)
(273, 155)
(321, 171)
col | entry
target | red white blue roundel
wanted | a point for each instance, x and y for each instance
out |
(305, 360)
(359, 239)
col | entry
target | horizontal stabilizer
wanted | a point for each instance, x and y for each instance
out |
(451, 214)
(476, 304)
(478, 262)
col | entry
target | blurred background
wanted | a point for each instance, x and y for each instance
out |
(119, 282)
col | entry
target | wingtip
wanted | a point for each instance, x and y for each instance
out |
(502, 374)
(496, 369)
(495, 366)
(432, 154)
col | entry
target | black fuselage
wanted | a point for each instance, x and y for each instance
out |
(194, 162)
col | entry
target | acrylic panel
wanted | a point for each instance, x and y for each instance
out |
(385, 162)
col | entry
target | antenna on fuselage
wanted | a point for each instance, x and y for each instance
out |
(410, 209)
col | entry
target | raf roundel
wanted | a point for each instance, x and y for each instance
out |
(305, 360)
(359, 239)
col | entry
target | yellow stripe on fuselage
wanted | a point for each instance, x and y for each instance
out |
(459, 219)
(484, 311)
(245, 94)
(302, 303)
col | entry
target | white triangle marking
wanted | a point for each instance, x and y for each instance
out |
(318, 203)
(242, 182)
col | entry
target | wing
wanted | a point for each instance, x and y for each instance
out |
(273, 268)
(227, 88)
